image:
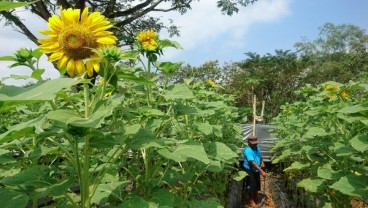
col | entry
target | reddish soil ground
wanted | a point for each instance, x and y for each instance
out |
(268, 201)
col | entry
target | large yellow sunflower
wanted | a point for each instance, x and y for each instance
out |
(71, 38)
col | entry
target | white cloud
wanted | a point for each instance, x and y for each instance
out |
(204, 24)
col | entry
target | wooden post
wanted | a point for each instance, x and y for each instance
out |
(255, 117)
(254, 114)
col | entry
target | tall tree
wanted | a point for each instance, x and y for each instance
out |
(129, 15)
(338, 54)
(210, 70)
(333, 39)
(271, 77)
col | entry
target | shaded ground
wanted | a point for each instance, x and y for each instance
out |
(268, 199)
(276, 196)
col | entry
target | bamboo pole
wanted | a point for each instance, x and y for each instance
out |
(254, 114)
(255, 117)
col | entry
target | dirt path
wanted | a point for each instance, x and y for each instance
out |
(269, 197)
(268, 201)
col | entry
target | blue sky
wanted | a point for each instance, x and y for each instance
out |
(206, 34)
(292, 20)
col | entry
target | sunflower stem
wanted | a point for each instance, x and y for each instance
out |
(83, 169)
(85, 175)
(148, 86)
(86, 100)
(146, 169)
(105, 79)
(104, 169)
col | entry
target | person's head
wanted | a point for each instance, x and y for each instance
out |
(252, 140)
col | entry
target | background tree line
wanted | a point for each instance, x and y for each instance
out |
(338, 54)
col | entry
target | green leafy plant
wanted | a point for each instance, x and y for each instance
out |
(322, 142)
(130, 139)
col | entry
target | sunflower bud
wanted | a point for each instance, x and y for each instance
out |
(23, 55)
(110, 54)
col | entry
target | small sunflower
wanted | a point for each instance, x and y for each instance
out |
(211, 83)
(345, 95)
(148, 40)
(357, 173)
(287, 110)
(101, 80)
(331, 95)
(72, 36)
(331, 87)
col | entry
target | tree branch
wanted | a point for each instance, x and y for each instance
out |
(80, 4)
(92, 5)
(23, 29)
(178, 6)
(63, 3)
(110, 8)
(132, 10)
(40, 9)
(138, 15)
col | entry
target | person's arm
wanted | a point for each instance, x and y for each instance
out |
(264, 174)
(249, 155)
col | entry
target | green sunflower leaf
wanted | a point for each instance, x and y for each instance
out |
(5, 5)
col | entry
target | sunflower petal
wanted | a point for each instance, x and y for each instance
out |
(76, 15)
(55, 23)
(79, 67)
(62, 62)
(46, 32)
(96, 66)
(89, 67)
(106, 40)
(56, 56)
(84, 15)
(69, 16)
(70, 67)
(103, 33)
(102, 28)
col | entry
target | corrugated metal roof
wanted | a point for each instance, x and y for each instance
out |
(266, 140)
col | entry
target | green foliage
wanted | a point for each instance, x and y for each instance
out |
(272, 78)
(230, 7)
(334, 39)
(132, 139)
(28, 58)
(338, 54)
(6, 5)
(9, 196)
(324, 137)
(209, 70)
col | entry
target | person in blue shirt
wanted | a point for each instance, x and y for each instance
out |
(253, 165)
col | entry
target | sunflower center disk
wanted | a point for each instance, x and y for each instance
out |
(76, 41)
